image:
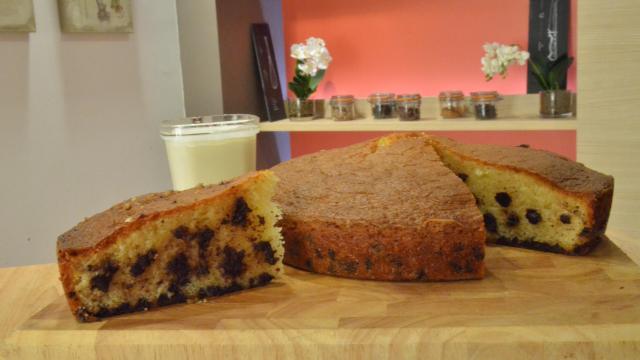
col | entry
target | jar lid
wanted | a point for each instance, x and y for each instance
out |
(381, 97)
(451, 94)
(342, 99)
(408, 97)
(223, 125)
(485, 96)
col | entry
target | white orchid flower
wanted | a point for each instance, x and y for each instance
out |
(498, 58)
(298, 51)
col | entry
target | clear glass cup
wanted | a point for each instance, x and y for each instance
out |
(452, 104)
(343, 107)
(210, 149)
(382, 105)
(408, 106)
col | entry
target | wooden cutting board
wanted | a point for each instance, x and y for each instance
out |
(531, 304)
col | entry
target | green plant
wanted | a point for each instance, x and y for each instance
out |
(312, 60)
(550, 75)
(303, 84)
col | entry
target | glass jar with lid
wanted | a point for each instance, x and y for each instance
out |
(382, 105)
(210, 149)
(343, 107)
(452, 104)
(484, 104)
(408, 106)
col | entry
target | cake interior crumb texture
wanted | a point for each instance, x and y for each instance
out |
(531, 198)
(173, 247)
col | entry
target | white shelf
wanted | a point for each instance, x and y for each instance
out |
(462, 124)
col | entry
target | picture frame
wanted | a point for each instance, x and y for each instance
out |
(268, 71)
(17, 16)
(95, 16)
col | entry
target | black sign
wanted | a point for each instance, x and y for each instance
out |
(548, 36)
(267, 68)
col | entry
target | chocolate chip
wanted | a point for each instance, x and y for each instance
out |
(102, 312)
(331, 254)
(490, 223)
(421, 275)
(232, 262)
(261, 279)
(368, 264)
(179, 268)
(123, 308)
(261, 220)
(240, 211)
(71, 294)
(181, 232)
(177, 295)
(308, 264)
(142, 263)
(350, 267)
(469, 266)
(565, 219)
(142, 304)
(503, 199)
(202, 293)
(478, 253)
(455, 267)
(103, 280)
(204, 237)
(513, 220)
(164, 300)
(463, 176)
(533, 216)
(524, 146)
(264, 248)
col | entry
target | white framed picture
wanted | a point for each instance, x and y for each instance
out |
(95, 16)
(17, 16)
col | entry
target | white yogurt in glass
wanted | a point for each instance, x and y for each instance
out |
(210, 149)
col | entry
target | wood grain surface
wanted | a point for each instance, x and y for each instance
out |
(608, 98)
(531, 304)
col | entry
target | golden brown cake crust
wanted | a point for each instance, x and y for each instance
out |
(133, 213)
(386, 209)
(559, 171)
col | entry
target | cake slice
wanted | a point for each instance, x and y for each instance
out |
(172, 247)
(532, 198)
(386, 209)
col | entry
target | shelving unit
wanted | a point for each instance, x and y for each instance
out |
(463, 124)
(515, 113)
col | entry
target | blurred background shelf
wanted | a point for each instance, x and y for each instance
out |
(462, 124)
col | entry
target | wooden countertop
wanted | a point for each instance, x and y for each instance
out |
(531, 304)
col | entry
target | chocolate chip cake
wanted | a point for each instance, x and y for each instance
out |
(386, 209)
(172, 247)
(532, 198)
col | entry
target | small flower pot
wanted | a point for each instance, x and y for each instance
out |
(555, 104)
(301, 110)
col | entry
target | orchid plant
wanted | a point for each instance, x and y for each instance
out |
(312, 60)
(498, 58)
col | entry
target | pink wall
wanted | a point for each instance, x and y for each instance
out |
(410, 45)
(420, 46)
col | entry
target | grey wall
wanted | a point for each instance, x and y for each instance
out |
(79, 119)
(200, 56)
